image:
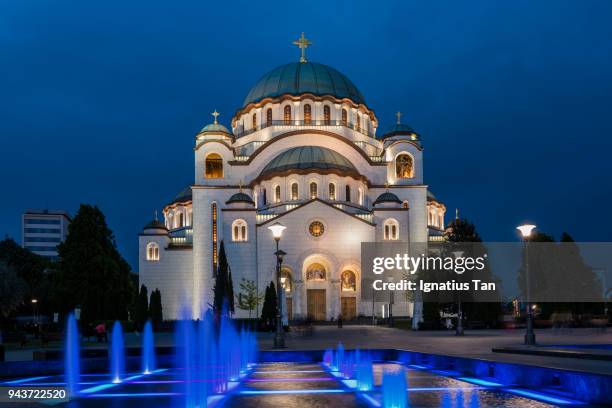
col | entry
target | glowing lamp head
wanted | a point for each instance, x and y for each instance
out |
(277, 230)
(526, 230)
(34, 300)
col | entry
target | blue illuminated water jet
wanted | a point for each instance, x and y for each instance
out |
(148, 349)
(117, 354)
(71, 356)
(394, 389)
(364, 373)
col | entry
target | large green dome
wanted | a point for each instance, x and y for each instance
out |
(305, 159)
(304, 77)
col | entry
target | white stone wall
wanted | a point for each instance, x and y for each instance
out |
(172, 274)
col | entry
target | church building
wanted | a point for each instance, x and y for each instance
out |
(302, 150)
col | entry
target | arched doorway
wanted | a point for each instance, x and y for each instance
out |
(316, 304)
(348, 292)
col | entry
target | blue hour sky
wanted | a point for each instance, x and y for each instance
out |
(100, 102)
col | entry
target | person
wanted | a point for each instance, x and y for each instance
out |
(340, 321)
(101, 332)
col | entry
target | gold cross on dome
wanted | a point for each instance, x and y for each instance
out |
(215, 114)
(302, 43)
(398, 114)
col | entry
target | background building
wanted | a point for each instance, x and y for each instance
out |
(43, 230)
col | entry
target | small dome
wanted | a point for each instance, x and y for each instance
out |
(298, 78)
(305, 159)
(215, 128)
(387, 197)
(400, 129)
(240, 198)
(155, 224)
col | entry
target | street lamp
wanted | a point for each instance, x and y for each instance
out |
(526, 230)
(459, 327)
(277, 232)
(390, 279)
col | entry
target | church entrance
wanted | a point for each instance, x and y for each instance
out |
(349, 308)
(316, 304)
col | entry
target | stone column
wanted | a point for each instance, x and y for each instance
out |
(334, 298)
(299, 295)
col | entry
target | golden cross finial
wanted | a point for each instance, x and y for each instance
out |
(302, 43)
(215, 114)
(398, 114)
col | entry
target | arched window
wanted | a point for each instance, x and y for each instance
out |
(152, 251)
(307, 115)
(391, 232)
(294, 191)
(277, 194)
(213, 214)
(264, 197)
(344, 117)
(313, 190)
(287, 115)
(239, 230)
(405, 204)
(332, 191)
(348, 281)
(347, 193)
(269, 117)
(358, 123)
(213, 166)
(326, 115)
(254, 121)
(316, 272)
(403, 166)
(180, 220)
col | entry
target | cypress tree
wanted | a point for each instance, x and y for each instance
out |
(155, 307)
(221, 281)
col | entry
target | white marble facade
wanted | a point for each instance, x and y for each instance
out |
(302, 151)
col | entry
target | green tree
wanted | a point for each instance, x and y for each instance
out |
(34, 271)
(248, 298)
(12, 290)
(141, 309)
(155, 308)
(462, 230)
(223, 296)
(92, 272)
(268, 311)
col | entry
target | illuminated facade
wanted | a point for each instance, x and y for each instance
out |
(302, 151)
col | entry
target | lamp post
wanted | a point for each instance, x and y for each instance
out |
(459, 327)
(390, 279)
(530, 338)
(277, 232)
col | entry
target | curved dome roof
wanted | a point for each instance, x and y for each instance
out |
(297, 78)
(240, 198)
(304, 159)
(399, 129)
(155, 224)
(183, 196)
(214, 127)
(387, 197)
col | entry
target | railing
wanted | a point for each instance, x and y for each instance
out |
(305, 123)
(265, 217)
(181, 240)
(366, 217)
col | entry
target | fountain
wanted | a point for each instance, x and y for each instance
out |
(148, 349)
(71, 356)
(363, 371)
(328, 357)
(394, 389)
(117, 354)
(185, 353)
